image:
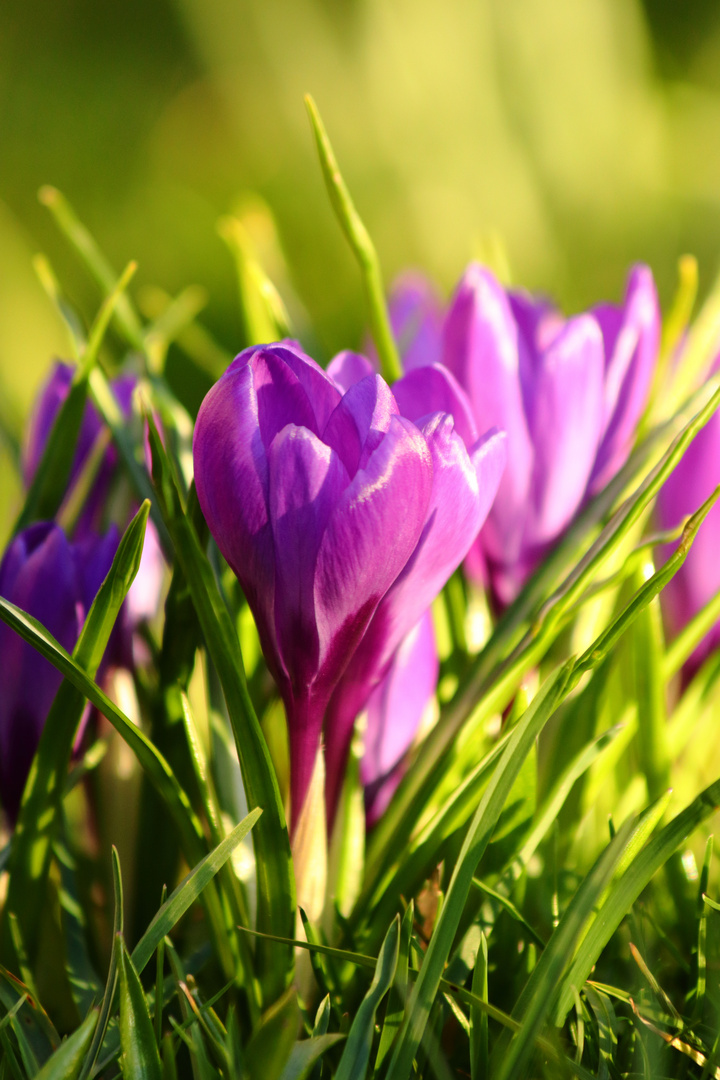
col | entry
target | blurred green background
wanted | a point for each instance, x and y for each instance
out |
(579, 135)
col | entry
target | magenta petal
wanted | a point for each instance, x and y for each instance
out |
(416, 317)
(231, 477)
(431, 389)
(396, 706)
(631, 335)
(348, 368)
(388, 498)
(480, 347)
(320, 389)
(358, 423)
(395, 711)
(565, 419)
(698, 579)
(451, 524)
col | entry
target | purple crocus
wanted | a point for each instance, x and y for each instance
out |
(55, 581)
(395, 711)
(319, 500)
(692, 482)
(52, 394)
(466, 474)
(568, 392)
(144, 595)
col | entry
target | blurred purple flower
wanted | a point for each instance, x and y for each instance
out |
(395, 711)
(692, 482)
(569, 394)
(466, 474)
(320, 500)
(144, 595)
(55, 581)
(49, 401)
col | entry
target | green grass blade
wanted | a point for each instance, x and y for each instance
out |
(270, 1048)
(39, 812)
(623, 893)
(67, 1061)
(264, 316)
(188, 891)
(85, 985)
(111, 983)
(275, 878)
(306, 1054)
(362, 246)
(140, 1056)
(478, 1017)
(398, 994)
(355, 1057)
(86, 247)
(486, 817)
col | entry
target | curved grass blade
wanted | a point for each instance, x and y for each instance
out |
(486, 817)
(275, 878)
(398, 994)
(362, 246)
(188, 891)
(125, 315)
(306, 1054)
(67, 1061)
(42, 799)
(269, 1049)
(355, 1057)
(111, 983)
(139, 1052)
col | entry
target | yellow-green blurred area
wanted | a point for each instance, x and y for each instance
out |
(565, 137)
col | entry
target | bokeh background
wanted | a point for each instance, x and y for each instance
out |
(563, 138)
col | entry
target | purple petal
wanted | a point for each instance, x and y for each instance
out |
(360, 420)
(38, 573)
(565, 420)
(431, 389)
(416, 317)
(395, 711)
(318, 386)
(348, 368)
(307, 480)
(480, 347)
(389, 498)
(231, 477)
(451, 524)
(631, 335)
(698, 579)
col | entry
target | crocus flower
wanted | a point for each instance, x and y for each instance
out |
(395, 711)
(144, 595)
(692, 482)
(55, 581)
(466, 474)
(319, 500)
(568, 392)
(49, 401)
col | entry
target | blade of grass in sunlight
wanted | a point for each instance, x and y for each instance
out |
(362, 246)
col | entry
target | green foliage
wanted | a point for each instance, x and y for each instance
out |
(491, 925)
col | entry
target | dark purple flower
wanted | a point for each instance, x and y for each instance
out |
(49, 401)
(143, 598)
(569, 394)
(55, 581)
(320, 500)
(395, 711)
(692, 482)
